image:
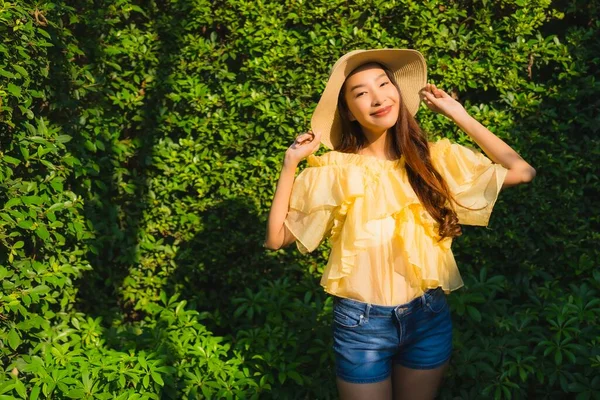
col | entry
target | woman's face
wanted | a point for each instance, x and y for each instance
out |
(372, 99)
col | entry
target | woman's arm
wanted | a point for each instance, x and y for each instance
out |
(519, 171)
(278, 235)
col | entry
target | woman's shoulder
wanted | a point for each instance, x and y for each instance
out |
(444, 150)
(330, 158)
(440, 144)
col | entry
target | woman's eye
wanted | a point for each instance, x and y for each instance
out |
(384, 83)
(360, 94)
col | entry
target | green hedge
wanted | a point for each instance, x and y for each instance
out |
(140, 144)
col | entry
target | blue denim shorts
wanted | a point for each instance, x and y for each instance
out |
(368, 338)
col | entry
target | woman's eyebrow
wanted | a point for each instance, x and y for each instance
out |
(361, 84)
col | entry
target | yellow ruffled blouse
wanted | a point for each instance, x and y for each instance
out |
(384, 244)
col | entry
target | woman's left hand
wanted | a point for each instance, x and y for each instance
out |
(441, 102)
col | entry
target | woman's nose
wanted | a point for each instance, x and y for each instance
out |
(376, 99)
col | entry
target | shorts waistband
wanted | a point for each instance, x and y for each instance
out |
(369, 309)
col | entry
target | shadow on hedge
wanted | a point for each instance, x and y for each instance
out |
(215, 272)
(116, 215)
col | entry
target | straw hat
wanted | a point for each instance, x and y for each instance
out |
(409, 69)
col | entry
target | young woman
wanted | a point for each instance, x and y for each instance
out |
(390, 202)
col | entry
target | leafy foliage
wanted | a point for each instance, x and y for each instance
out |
(139, 150)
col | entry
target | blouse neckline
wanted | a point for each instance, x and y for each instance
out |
(334, 157)
(374, 158)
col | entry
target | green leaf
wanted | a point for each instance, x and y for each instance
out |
(13, 339)
(42, 232)
(21, 71)
(55, 207)
(37, 139)
(87, 382)
(558, 357)
(24, 152)
(63, 138)
(76, 394)
(36, 93)
(6, 74)
(295, 376)
(20, 388)
(7, 218)
(142, 361)
(44, 33)
(40, 289)
(157, 378)
(90, 146)
(35, 392)
(41, 127)
(474, 313)
(14, 90)
(12, 160)
(25, 224)
(12, 202)
(32, 200)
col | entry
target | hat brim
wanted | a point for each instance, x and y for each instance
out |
(409, 69)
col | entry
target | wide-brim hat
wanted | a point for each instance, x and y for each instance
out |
(407, 65)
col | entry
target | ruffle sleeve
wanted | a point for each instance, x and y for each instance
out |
(320, 195)
(474, 180)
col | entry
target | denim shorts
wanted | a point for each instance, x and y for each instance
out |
(368, 338)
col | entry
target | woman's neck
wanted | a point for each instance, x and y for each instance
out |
(378, 146)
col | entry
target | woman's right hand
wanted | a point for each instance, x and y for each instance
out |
(278, 235)
(304, 145)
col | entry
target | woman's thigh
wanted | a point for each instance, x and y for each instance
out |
(365, 391)
(417, 384)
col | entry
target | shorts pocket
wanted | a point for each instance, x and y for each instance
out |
(346, 317)
(435, 300)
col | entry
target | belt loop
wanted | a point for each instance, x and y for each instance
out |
(367, 310)
(424, 298)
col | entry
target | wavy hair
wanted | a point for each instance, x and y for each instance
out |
(408, 139)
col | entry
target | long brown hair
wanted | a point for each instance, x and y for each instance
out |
(409, 140)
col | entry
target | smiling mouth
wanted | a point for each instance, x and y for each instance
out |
(382, 111)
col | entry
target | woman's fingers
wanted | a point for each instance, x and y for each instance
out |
(305, 137)
(309, 141)
(439, 93)
(430, 101)
(433, 89)
(428, 97)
